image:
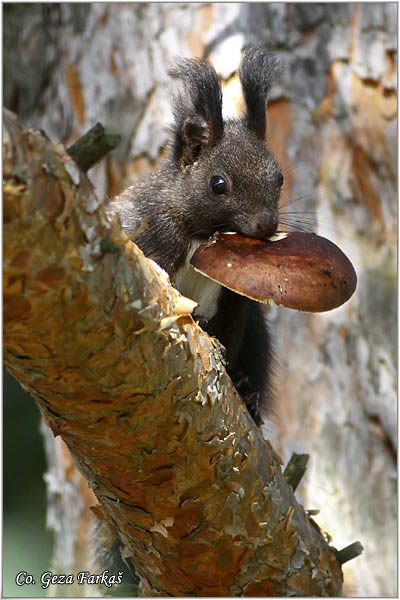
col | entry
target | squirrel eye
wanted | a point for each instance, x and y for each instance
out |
(218, 185)
(280, 180)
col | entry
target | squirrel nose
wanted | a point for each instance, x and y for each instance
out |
(266, 225)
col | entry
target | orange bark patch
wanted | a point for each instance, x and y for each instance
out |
(211, 564)
(188, 517)
(279, 133)
(261, 588)
(75, 92)
(48, 193)
(113, 64)
(14, 286)
(362, 169)
(326, 106)
(15, 308)
(199, 562)
(196, 36)
(373, 100)
(50, 275)
(20, 261)
(173, 573)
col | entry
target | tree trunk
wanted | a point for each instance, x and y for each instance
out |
(332, 123)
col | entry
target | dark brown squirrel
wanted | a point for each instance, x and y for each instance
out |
(218, 176)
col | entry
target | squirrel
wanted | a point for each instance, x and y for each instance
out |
(219, 175)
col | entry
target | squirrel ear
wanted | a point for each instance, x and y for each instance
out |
(198, 111)
(257, 73)
(195, 134)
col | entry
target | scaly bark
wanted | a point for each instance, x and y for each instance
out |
(94, 331)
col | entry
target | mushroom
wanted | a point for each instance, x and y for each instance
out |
(299, 270)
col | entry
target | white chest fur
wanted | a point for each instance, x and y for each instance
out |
(198, 287)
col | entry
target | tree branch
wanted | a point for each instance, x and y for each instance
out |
(97, 335)
(295, 469)
(93, 146)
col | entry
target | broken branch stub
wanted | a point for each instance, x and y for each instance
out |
(93, 146)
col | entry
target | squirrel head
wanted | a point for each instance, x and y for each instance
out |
(226, 173)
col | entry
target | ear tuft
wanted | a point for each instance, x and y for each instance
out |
(258, 71)
(198, 110)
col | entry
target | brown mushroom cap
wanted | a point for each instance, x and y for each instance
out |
(301, 270)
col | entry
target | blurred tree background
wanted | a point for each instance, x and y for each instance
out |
(26, 540)
(332, 123)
